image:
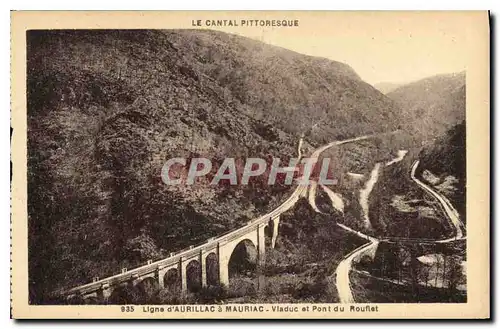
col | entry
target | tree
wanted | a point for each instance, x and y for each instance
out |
(453, 274)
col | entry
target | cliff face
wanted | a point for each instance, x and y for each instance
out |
(106, 109)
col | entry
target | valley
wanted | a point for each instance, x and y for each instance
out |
(101, 126)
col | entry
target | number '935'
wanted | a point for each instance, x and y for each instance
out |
(127, 308)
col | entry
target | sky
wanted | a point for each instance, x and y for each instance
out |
(394, 47)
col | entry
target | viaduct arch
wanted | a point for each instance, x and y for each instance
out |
(221, 247)
(187, 270)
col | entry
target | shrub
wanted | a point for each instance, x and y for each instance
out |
(212, 294)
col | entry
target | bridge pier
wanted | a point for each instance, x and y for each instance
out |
(160, 272)
(261, 255)
(104, 293)
(203, 264)
(223, 247)
(223, 260)
(135, 280)
(183, 273)
(223, 250)
(276, 223)
(261, 244)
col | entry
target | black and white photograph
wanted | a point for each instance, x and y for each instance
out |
(248, 160)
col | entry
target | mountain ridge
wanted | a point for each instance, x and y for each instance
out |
(106, 109)
(432, 105)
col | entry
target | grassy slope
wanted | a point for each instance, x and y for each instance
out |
(106, 109)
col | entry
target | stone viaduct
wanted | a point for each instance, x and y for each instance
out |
(220, 248)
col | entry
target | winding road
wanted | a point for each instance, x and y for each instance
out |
(342, 280)
(300, 191)
(446, 205)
